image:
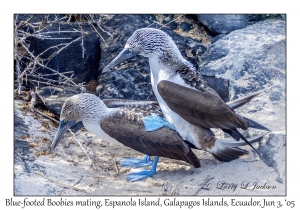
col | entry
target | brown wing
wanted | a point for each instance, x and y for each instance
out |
(163, 142)
(200, 107)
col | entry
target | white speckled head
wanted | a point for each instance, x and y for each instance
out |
(84, 107)
(149, 41)
(154, 44)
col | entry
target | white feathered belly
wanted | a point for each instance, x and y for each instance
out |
(96, 129)
(185, 129)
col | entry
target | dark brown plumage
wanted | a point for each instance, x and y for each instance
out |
(201, 108)
(163, 142)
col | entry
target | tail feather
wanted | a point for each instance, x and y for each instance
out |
(241, 101)
(242, 137)
(228, 150)
(232, 143)
(250, 123)
(232, 134)
(228, 154)
(253, 124)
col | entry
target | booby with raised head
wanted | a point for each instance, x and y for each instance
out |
(186, 100)
(125, 124)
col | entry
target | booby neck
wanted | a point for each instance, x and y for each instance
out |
(171, 59)
(167, 67)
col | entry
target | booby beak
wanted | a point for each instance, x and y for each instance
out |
(123, 55)
(64, 125)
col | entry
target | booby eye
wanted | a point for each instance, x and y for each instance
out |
(65, 121)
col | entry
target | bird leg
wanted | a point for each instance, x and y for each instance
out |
(135, 176)
(136, 162)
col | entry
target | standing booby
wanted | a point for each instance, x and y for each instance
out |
(123, 125)
(126, 124)
(185, 99)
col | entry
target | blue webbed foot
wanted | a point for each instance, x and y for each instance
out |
(135, 176)
(155, 122)
(136, 162)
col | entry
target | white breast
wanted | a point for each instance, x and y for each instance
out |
(183, 127)
(96, 129)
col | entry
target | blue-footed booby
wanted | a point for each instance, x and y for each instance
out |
(121, 122)
(186, 100)
(124, 122)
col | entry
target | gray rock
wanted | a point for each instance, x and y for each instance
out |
(21, 147)
(170, 24)
(82, 60)
(254, 56)
(223, 24)
(128, 83)
(186, 26)
(220, 85)
(216, 38)
(254, 59)
(272, 152)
